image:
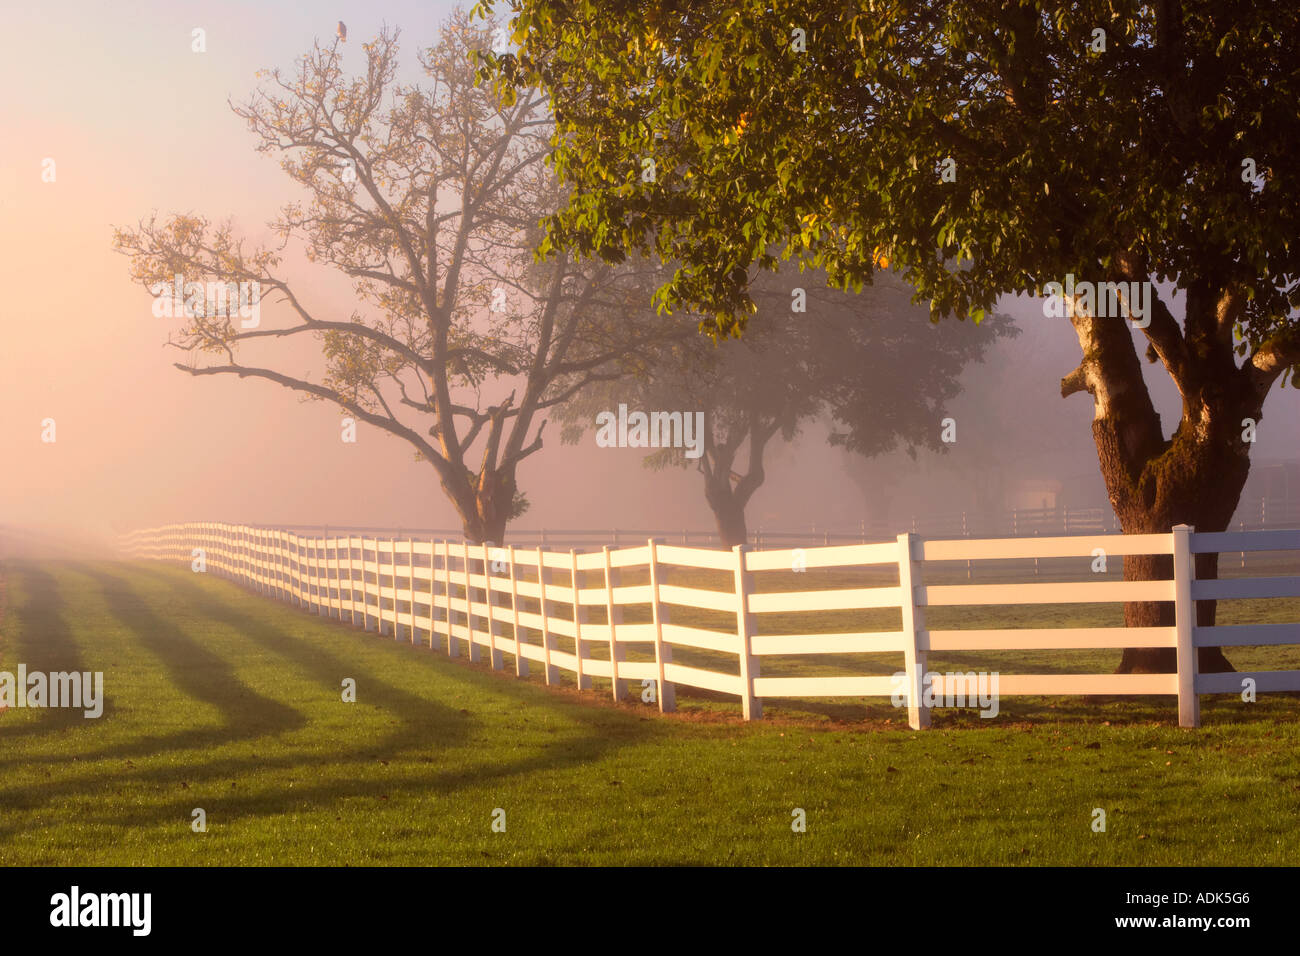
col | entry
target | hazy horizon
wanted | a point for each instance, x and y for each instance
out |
(140, 444)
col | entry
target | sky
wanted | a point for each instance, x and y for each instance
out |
(135, 121)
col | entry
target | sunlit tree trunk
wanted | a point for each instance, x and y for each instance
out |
(1196, 476)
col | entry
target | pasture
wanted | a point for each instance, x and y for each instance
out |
(222, 700)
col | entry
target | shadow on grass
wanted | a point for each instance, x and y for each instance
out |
(193, 671)
(44, 642)
(202, 673)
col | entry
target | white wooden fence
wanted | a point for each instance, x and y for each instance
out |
(507, 600)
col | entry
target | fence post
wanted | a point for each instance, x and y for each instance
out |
(281, 566)
(469, 610)
(579, 616)
(268, 563)
(666, 692)
(379, 586)
(494, 652)
(264, 563)
(521, 662)
(322, 577)
(392, 563)
(288, 580)
(352, 582)
(313, 575)
(613, 617)
(433, 592)
(288, 559)
(446, 592)
(306, 568)
(301, 576)
(365, 590)
(328, 609)
(751, 706)
(544, 609)
(352, 588)
(333, 581)
(914, 640)
(410, 588)
(321, 574)
(1189, 705)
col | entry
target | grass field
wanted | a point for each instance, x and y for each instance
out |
(222, 700)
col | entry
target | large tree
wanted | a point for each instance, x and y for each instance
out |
(429, 199)
(863, 363)
(985, 148)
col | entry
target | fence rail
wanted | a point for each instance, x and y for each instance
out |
(1259, 514)
(535, 604)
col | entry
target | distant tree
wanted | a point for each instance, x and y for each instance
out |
(865, 363)
(430, 199)
(984, 148)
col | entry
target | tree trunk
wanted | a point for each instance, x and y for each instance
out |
(485, 504)
(728, 514)
(1196, 476)
(1196, 482)
(729, 501)
(1147, 567)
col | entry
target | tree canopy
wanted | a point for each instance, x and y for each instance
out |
(983, 149)
(861, 364)
(824, 130)
(428, 197)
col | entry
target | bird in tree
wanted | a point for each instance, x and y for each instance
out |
(984, 148)
(342, 32)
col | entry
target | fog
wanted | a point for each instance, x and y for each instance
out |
(139, 443)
